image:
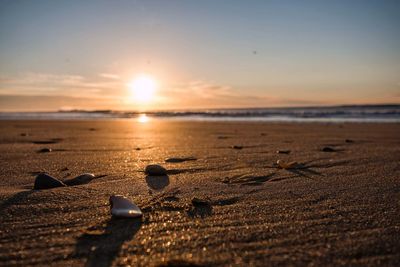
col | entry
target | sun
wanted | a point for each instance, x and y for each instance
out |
(143, 89)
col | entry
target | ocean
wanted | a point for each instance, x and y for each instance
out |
(364, 113)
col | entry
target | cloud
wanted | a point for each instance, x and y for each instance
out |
(208, 90)
(201, 89)
(106, 90)
(52, 103)
(66, 85)
(110, 76)
(199, 94)
(202, 94)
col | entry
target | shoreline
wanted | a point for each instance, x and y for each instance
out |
(202, 120)
(361, 113)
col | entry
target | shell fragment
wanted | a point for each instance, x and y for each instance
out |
(287, 166)
(81, 179)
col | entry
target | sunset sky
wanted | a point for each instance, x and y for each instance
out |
(130, 55)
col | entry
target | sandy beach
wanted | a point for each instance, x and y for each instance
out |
(335, 208)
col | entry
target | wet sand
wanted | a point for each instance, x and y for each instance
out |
(336, 208)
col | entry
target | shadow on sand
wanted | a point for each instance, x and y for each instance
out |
(200, 211)
(157, 182)
(15, 199)
(101, 245)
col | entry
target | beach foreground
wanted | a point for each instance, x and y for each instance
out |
(334, 208)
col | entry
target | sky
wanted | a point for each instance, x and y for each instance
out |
(199, 54)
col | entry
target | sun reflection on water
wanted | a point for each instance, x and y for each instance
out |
(143, 118)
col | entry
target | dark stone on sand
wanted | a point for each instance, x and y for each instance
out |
(24, 134)
(92, 129)
(200, 202)
(349, 141)
(138, 148)
(45, 181)
(223, 137)
(46, 142)
(171, 198)
(155, 170)
(178, 160)
(44, 150)
(81, 179)
(237, 147)
(227, 201)
(328, 149)
(200, 208)
(283, 151)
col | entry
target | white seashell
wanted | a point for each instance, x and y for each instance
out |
(123, 207)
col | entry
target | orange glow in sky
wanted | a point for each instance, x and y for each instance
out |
(165, 55)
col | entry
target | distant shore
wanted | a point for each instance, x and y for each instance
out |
(351, 113)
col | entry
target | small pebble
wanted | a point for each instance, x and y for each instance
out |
(200, 202)
(171, 198)
(44, 150)
(123, 207)
(46, 142)
(155, 170)
(349, 141)
(81, 179)
(328, 149)
(178, 160)
(45, 181)
(237, 147)
(283, 151)
(287, 166)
